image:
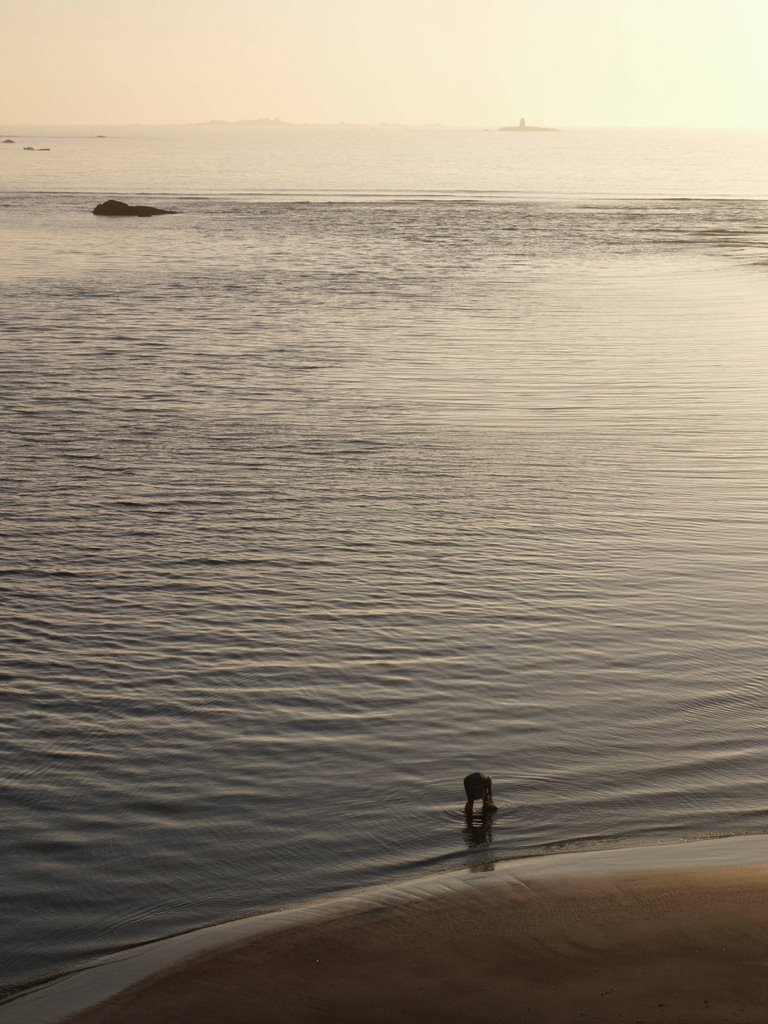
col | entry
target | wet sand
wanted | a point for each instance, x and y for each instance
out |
(686, 947)
(577, 939)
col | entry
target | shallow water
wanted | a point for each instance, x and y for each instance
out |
(313, 507)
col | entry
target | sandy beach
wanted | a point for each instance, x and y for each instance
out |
(686, 947)
(672, 934)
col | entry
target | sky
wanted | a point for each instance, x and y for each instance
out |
(564, 63)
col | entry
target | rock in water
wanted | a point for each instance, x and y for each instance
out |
(114, 208)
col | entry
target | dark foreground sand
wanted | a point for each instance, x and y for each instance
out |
(670, 945)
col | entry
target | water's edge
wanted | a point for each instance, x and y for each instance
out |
(61, 997)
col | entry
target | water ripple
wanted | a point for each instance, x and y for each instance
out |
(313, 508)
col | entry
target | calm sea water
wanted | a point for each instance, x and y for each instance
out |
(339, 485)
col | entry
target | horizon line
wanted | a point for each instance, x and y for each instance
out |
(267, 122)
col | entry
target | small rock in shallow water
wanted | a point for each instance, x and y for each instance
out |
(114, 208)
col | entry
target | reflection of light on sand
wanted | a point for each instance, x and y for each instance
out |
(68, 995)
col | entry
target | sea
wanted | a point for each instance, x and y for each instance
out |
(393, 455)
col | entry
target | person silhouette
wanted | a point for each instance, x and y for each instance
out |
(479, 786)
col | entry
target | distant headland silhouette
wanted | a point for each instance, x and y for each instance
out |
(521, 126)
(275, 123)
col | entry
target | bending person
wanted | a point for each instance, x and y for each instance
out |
(479, 786)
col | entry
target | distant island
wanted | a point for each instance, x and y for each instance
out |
(521, 126)
(256, 122)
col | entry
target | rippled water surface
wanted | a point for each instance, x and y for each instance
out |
(310, 508)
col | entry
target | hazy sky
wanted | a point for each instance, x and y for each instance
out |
(697, 63)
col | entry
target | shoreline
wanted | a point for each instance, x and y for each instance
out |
(693, 910)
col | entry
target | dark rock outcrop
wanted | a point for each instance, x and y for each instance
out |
(11, 141)
(114, 208)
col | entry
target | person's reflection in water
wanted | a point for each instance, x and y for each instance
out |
(478, 835)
